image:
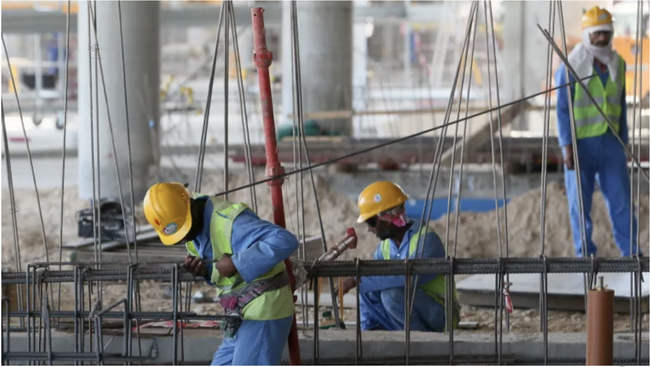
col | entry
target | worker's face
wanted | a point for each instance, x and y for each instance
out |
(195, 230)
(382, 229)
(600, 38)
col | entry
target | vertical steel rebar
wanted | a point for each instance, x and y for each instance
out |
(12, 200)
(407, 310)
(208, 104)
(175, 312)
(358, 354)
(574, 143)
(128, 133)
(6, 341)
(547, 115)
(225, 96)
(302, 140)
(316, 350)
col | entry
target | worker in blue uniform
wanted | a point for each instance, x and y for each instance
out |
(601, 156)
(382, 298)
(249, 274)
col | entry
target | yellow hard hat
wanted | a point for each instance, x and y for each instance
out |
(595, 17)
(378, 197)
(167, 208)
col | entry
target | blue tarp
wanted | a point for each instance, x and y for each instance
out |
(414, 207)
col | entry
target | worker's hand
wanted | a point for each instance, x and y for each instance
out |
(568, 157)
(348, 284)
(226, 267)
(195, 266)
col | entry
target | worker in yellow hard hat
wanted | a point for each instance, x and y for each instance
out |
(249, 272)
(601, 156)
(381, 207)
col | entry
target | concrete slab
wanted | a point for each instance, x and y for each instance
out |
(383, 347)
(565, 291)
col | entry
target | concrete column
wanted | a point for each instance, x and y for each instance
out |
(325, 29)
(360, 74)
(142, 60)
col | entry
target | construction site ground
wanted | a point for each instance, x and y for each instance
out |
(477, 237)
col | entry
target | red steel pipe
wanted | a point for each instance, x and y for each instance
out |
(262, 58)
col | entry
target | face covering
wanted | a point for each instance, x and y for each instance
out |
(398, 219)
(603, 54)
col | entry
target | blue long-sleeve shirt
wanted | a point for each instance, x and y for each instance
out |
(257, 245)
(563, 117)
(433, 248)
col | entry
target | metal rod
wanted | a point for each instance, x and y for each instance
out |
(574, 143)
(225, 97)
(208, 104)
(375, 267)
(128, 132)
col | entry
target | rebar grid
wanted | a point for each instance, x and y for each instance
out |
(40, 320)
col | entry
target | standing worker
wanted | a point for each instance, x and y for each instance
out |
(249, 272)
(382, 304)
(601, 155)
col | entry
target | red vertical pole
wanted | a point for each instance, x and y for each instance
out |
(262, 58)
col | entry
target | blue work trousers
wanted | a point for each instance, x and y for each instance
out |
(384, 310)
(256, 343)
(602, 158)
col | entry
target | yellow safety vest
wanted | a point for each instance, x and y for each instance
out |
(589, 121)
(270, 305)
(434, 288)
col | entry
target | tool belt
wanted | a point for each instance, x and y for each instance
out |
(235, 301)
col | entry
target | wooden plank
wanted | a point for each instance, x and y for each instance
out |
(147, 252)
(144, 233)
(565, 291)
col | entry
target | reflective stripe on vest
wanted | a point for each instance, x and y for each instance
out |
(269, 306)
(434, 288)
(589, 121)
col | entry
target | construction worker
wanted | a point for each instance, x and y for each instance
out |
(249, 272)
(382, 304)
(601, 156)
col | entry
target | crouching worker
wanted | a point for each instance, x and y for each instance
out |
(382, 303)
(249, 272)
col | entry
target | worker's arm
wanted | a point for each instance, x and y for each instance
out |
(562, 107)
(433, 248)
(259, 245)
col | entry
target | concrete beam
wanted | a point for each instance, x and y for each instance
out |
(34, 21)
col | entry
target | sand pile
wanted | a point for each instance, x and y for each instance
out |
(477, 232)
(30, 234)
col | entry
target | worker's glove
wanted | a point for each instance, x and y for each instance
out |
(348, 284)
(568, 157)
(195, 266)
(226, 267)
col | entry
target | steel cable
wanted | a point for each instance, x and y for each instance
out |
(208, 104)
